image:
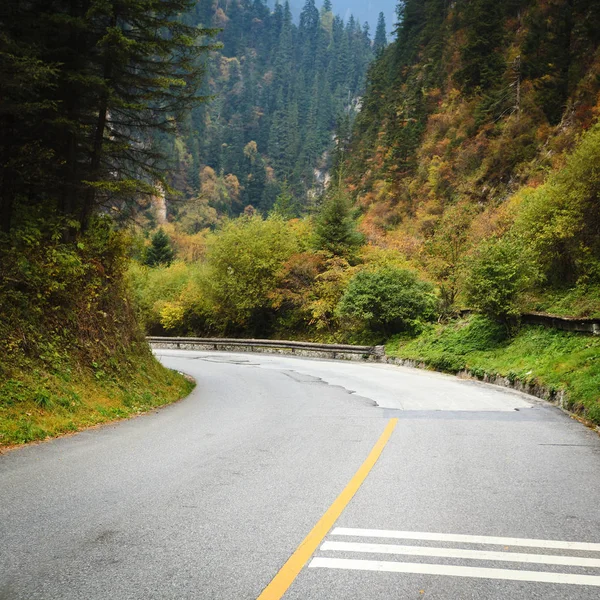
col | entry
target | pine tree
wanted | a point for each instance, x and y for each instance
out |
(254, 187)
(146, 63)
(312, 140)
(234, 33)
(26, 161)
(482, 63)
(122, 69)
(160, 251)
(411, 20)
(380, 41)
(548, 55)
(308, 31)
(285, 205)
(342, 75)
(335, 230)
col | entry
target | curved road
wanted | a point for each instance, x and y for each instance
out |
(478, 492)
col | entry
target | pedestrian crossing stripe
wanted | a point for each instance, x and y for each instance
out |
(467, 539)
(592, 561)
(547, 559)
(454, 571)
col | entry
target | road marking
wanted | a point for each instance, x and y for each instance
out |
(453, 571)
(290, 570)
(466, 539)
(546, 559)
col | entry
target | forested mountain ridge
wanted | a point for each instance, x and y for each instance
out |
(472, 109)
(279, 90)
(473, 161)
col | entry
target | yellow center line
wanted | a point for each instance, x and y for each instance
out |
(295, 563)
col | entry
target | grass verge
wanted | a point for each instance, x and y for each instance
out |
(557, 360)
(36, 403)
(580, 301)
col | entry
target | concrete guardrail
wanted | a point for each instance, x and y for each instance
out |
(344, 351)
(309, 349)
(565, 323)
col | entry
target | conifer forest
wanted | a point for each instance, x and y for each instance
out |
(279, 91)
(224, 168)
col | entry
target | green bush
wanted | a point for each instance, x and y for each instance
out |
(388, 300)
(165, 294)
(447, 363)
(243, 260)
(500, 273)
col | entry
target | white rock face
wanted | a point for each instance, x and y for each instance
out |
(159, 204)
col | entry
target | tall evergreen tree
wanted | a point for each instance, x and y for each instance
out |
(549, 54)
(160, 251)
(335, 229)
(380, 41)
(121, 69)
(286, 205)
(482, 63)
(26, 161)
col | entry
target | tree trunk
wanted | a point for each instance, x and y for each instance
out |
(90, 194)
(96, 156)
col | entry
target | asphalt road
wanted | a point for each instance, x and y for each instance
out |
(480, 493)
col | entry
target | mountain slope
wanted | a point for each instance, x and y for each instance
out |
(466, 115)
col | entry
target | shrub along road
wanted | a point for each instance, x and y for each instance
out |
(465, 491)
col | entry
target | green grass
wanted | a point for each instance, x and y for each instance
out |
(580, 301)
(71, 352)
(555, 359)
(38, 403)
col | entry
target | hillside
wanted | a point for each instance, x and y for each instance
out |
(472, 161)
(479, 125)
(73, 354)
(85, 86)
